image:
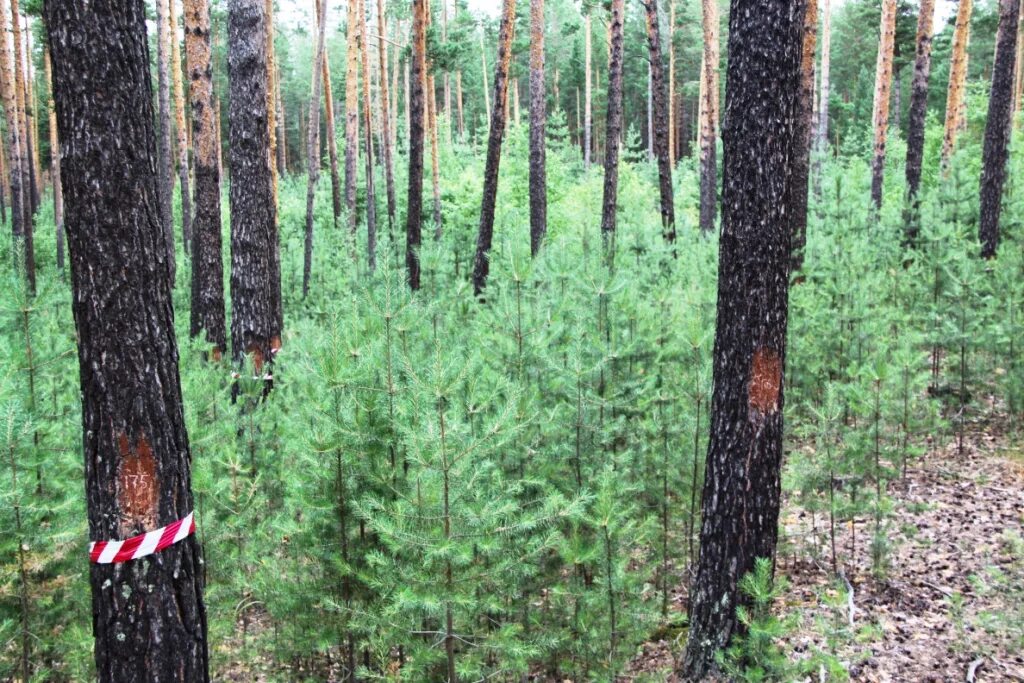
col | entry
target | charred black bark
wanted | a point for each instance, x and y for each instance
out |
(255, 291)
(997, 129)
(414, 203)
(918, 109)
(741, 491)
(148, 615)
(207, 265)
(613, 131)
(659, 117)
(802, 135)
(481, 263)
(538, 117)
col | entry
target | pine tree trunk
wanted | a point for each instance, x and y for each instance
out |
(281, 138)
(313, 140)
(58, 193)
(483, 73)
(352, 116)
(458, 104)
(179, 118)
(957, 80)
(32, 106)
(255, 278)
(742, 483)
(538, 119)
(149, 621)
(996, 149)
(671, 83)
(825, 91)
(588, 126)
(385, 116)
(435, 171)
(1018, 70)
(16, 177)
(918, 110)
(709, 118)
(802, 135)
(481, 263)
(25, 157)
(613, 124)
(165, 160)
(660, 115)
(414, 112)
(883, 93)
(271, 93)
(207, 312)
(371, 197)
(332, 140)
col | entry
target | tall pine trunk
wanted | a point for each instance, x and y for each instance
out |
(481, 263)
(435, 171)
(332, 140)
(137, 457)
(918, 110)
(27, 179)
(255, 278)
(16, 177)
(1018, 69)
(271, 93)
(883, 96)
(672, 83)
(613, 126)
(179, 119)
(709, 118)
(740, 506)
(414, 110)
(660, 121)
(996, 149)
(58, 192)
(588, 124)
(207, 312)
(955, 106)
(313, 140)
(387, 149)
(803, 128)
(371, 198)
(538, 117)
(352, 114)
(165, 159)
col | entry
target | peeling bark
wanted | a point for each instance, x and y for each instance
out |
(883, 93)
(137, 458)
(918, 110)
(613, 130)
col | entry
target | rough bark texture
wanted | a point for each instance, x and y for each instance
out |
(332, 140)
(352, 114)
(803, 125)
(13, 134)
(207, 265)
(709, 118)
(179, 119)
(255, 291)
(385, 115)
(587, 118)
(271, 92)
(28, 189)
(671, 83)
(918, 110)
(58, 192)
(165, 159)
(883, 93)
(481, 264)
(313, 140)
(613, 128)
(741, 490)
(414, 109)
(137, 458)
(371, 198)
(659, 116)
(996, 149)
(957, 80)
(538, 118)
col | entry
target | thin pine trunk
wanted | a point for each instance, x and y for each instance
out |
(660, 122)
(313, 141)
(671, 83)
(415, 95)
(332, 139)
(918, 110)
(25, 151)
(587, 122)
(802, 135)
(483, 62)
(352, 116)
(955, 107)
(538, 119)
(13, 139)
(435, 171)
(883, 94)
(165, 159)
(179, 120)
(481, 263)
(458, 104)
(385, 117)
(371, 198)
(613, 125)
(709, 118)
(58, 194)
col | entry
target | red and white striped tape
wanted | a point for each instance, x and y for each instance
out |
(112, 552)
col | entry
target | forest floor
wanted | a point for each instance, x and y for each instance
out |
(950, 603)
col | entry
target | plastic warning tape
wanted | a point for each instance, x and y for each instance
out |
(112, 552)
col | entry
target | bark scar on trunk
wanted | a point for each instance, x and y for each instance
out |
(257, 356)
(138, 486)
(765, 381)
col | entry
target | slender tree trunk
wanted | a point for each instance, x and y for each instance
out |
(435, 171)
(458, 104)
(446, 78)
(332, 140)
(613, 124)
(165, 160)
(802, 134)
(742, 480)
(660, 116)
(58, 194)
(281, 138)
(408, 106)
(883, 93)
(16, 177)
(672, 83)
(483, 61)
(918, 110)
(207, 313)
(25, 156)
(1018, 70)
(352, 116)
(481, 264)
(255, 278)
(313, 140)
(998, 127)
(217, 129)
(179, 119)
(414, 112)
(709, 118)
(387, 149)
(271, 94)
(371, 197)
(32, 106)
(538, 119)
(137, 457)
(955, 107)
(587, 122)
